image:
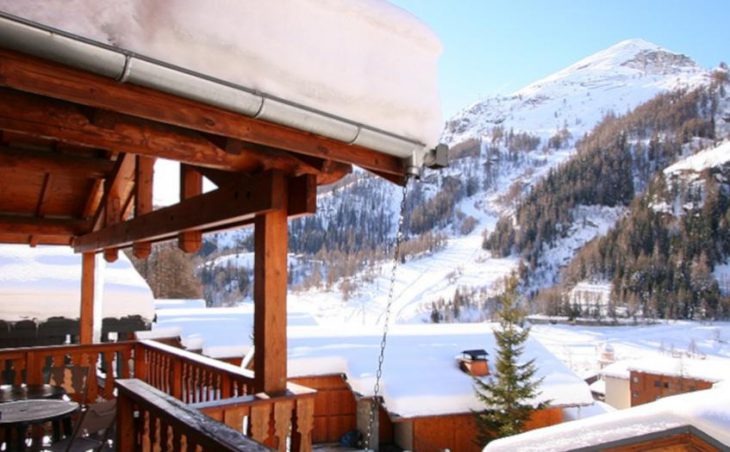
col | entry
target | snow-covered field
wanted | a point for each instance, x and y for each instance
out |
(579, 346)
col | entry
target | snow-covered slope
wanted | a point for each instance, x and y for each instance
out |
(494, 175)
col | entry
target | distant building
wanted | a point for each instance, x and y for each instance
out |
(591, 298)
(636, 382)
(428, 397)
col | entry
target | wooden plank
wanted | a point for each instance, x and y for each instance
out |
(60, 165)
(86, 318)
(191, 185)
(34, 75)
(17, 224)
(143, 191)
(216, 208)
(270, 285)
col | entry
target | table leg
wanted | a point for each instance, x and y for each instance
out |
(21, 431)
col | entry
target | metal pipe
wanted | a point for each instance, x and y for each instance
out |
(128, 67)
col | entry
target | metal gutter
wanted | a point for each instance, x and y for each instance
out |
(128, 67)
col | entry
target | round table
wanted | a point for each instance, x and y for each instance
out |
(18, 416)
(12, 393)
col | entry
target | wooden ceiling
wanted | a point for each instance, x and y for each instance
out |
(76, 156)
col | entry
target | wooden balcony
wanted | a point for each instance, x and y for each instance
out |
(170, 399)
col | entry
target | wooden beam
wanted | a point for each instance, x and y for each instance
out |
(43, 197)
(96, 193)
(37, 116)
(25, 239)
(54, 162)
(216, 208)
(144, 181)
(270, 286)
(191, 185)
(18, 224)
(116, 187)
(86, 318)
(38, 76)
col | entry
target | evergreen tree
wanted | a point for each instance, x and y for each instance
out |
(510, 391)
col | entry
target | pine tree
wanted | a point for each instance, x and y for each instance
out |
(508, 393)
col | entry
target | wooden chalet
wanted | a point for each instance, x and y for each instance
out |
(77, 148)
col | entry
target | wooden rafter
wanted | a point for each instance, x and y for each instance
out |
(230, 204)
(116, 190)
(68, 123)
(59, 165)
(18, 224)
(34, 75)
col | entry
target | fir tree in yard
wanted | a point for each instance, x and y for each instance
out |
(508, 393)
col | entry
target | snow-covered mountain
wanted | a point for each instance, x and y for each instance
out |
(616, 80)
(501, 147)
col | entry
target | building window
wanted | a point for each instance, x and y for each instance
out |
(657, 383)
(636, 379)
(666, 385)
(635, 395)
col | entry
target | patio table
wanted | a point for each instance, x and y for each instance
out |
(16, 417)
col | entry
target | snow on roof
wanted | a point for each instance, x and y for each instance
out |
(420, 375)
(708, 158)
(364, 60)
(219, 327)
(711, 369)
(232, 351)
(159, 333)
(45, 281)
(584, 412)
(178, 303)
(619, 369)
(598, 386)
(707, 410)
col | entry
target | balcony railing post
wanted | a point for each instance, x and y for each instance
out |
(176, 375)
(125, 441)
(33, 368)
(140, 362)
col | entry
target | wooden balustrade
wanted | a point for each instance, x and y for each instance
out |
(269, 420)
(220, 390)
(68, 366)
(151, 420)
(189, 377)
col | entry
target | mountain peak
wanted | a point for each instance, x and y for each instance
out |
(615, 79)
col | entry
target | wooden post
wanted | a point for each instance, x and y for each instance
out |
(191, 184)
(86, 315)
(270, 279)
(143, 182)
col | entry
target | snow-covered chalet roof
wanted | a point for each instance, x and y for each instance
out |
(366, 61)
(420, 375)
(708, 411)
(45, 281)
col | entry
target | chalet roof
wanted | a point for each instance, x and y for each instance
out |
(367, 65)
(707, 411)
(45, 282)
(421, 376)
(712, 369)
(254, 97)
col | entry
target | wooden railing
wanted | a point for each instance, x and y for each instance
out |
(68, 366)
(151, 420)
(276, 422)
(188, 376)
(218, 389)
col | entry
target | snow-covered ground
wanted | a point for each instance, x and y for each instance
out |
(579, 346)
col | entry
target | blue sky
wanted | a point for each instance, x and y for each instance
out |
(499, 46)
